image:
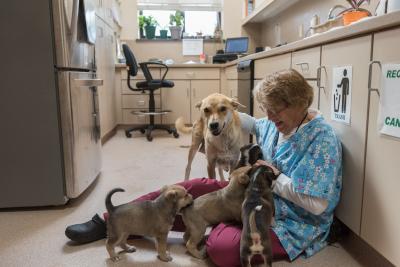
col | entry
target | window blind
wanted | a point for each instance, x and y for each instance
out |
(183, 5)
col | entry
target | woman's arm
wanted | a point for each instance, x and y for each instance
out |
(248, 123)
(284, 188)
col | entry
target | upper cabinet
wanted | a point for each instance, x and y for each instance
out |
(265, 10)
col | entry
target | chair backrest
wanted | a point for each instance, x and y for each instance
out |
(130, 60)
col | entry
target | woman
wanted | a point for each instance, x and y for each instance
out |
(306, 154)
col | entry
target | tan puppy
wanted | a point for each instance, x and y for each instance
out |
(217, 133)
(147, 218)
(223, 205)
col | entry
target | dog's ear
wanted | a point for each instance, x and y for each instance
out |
(235, 104)
(198, 104)
(243, 175)
(171, 194)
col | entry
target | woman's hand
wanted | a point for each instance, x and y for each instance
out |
(266, 163)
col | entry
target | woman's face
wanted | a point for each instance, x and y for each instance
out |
(286, 119)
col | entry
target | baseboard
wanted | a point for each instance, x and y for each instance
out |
(108, 135)
(362, 252)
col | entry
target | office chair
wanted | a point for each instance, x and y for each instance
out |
(149, 85)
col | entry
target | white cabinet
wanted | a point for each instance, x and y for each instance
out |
(105, 51)
(177, 99)
(354, 52)
(380, 225)
(263, 68)
(191, 86)
(132, 101)
(307, 62)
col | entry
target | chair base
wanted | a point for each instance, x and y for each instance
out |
(148, 128)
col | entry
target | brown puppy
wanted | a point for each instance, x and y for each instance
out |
(147, 218)
(257, 212)
(217, 133)
(223, 205)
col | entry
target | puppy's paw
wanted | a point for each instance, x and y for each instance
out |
(130, 249)
(116, 258)
(165, 257)
(200, 254)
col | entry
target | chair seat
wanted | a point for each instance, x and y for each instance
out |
(164, 83)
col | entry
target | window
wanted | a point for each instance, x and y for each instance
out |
(200, 21)
(200, 15)
(195, 21)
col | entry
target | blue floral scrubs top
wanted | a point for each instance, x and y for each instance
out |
(312, 158)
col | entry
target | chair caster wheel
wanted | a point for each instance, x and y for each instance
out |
(142, 131)
(128, 134)
(176, 135)
(149, 138)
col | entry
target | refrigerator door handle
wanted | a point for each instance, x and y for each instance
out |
(88, 82)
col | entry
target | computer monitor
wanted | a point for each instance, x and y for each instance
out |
(236, 45)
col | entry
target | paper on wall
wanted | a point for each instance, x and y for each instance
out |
(192, 47)
(389, 103)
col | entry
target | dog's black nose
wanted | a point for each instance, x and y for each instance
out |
(214, 126)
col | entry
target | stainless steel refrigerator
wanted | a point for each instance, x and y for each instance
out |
(50, 147)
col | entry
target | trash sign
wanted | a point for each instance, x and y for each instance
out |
(341, 94)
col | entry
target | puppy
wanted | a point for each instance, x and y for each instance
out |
(249, 154)
(257, 212)
(217, 133)
(223, 205)
(149, 218)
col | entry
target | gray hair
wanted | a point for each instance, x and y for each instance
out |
(284, 88)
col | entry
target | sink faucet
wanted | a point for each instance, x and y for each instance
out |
(330, 15)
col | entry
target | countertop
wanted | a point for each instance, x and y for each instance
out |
(362, 27)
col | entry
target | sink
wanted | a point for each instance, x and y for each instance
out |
(326, 26)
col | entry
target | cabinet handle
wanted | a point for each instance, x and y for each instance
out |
(304, 66)
(370, 89)
(319, 84)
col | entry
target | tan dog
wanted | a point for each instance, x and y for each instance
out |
(223, 205)
(217, 133)
(147, 218)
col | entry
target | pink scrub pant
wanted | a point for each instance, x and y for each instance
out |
(223, 243)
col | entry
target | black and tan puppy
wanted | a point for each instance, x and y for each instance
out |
(249, 154)
(257, 212)
(148, 218)
(223, 205)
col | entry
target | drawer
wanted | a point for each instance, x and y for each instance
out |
(307, 61)
(267, 66)
(139, 101)
(126, 90)
(129, 118)
(193, 74)
(231, 72)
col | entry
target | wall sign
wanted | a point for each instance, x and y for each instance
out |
(341, 94)
(389, 104)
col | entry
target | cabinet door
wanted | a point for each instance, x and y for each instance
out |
(265, 67)
(101, 64)
(201, 89)
(355, 53)
(176, 99)
(307, 62)
(381, 216)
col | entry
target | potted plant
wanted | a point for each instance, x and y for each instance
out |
(150, 24)
(164, 32)
(141, 26)
(354, 13)
(176, 22)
